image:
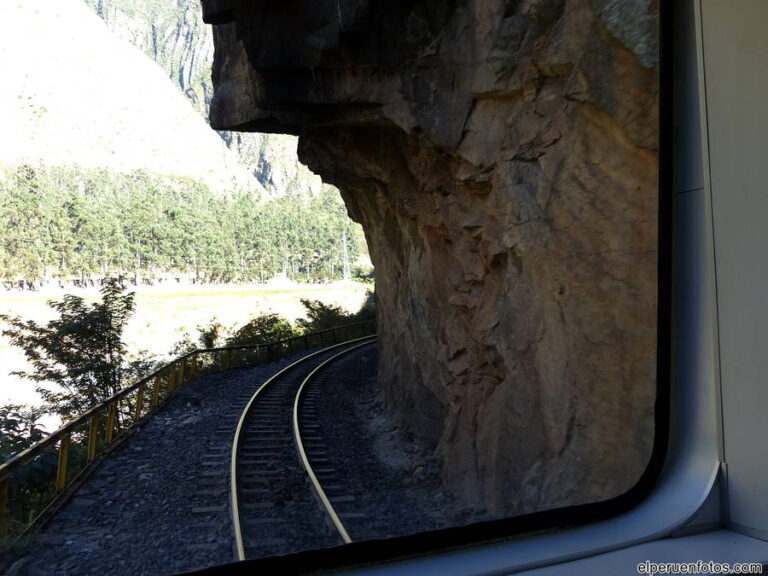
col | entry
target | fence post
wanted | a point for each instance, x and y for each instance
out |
(182, 366)
(228, 364)
(156, 391)
(171, 377)
(111, 418)
(334, 336)
(93, 437)
(3, 510)
(61, 472)
(139, 403)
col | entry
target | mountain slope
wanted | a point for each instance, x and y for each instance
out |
(76, 94)
(174, 35)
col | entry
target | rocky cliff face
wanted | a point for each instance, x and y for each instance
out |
(501, 157)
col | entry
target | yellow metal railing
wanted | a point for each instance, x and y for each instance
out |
(33, 481)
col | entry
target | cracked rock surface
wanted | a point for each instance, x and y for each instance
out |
(502, 159)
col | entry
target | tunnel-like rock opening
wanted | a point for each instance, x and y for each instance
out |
(501, 157)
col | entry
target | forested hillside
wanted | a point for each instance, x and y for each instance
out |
(70, 224)
(106, 168)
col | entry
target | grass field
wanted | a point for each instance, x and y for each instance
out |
(165, 313)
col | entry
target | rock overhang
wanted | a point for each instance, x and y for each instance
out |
(501, 157)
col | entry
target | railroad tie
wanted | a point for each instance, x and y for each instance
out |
(209, 509)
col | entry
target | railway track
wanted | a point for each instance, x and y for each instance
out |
(283, 488)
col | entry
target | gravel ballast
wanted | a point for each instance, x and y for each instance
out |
(160, 503)
(394, 481)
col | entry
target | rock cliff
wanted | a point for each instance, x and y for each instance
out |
(501, 157)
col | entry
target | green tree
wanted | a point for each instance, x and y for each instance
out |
(210, 335)
(321, 316)
(78, 358)
(75, 223)
(261, 330)
(19, 429)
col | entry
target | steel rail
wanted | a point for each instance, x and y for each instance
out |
(303, 454)
(8, 467)
(235, 507)
(97, 436)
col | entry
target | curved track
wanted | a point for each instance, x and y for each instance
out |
(274, 509)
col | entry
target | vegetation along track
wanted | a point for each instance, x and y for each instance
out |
(275, 491)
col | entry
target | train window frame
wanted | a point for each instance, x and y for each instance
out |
(680, 489)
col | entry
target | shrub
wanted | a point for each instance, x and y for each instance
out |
(261, 330)
(322, 316)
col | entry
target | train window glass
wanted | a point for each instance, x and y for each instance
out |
(503, 160)
(521, 378)
(517, 258)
